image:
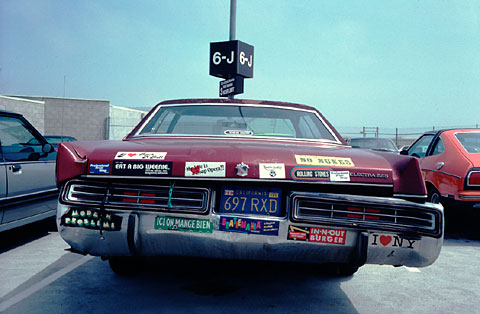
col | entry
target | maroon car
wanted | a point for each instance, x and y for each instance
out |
(243, 179)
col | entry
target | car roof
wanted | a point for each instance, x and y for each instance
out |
(434, 132)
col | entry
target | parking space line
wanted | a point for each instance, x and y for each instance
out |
(43, 283)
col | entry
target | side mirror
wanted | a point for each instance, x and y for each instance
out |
(404, 152)
(47, 148)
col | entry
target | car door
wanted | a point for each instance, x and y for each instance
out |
(3, 183)
(29, 171)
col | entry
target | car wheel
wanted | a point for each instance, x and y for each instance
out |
(433, 195)
(125, 265)
(345, 270)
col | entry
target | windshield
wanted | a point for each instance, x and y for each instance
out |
(231, 120)
(470, 141)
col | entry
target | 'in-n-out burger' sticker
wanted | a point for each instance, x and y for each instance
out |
(324, 161)
(392, 241)
(314, 234)
(141, 155)
(271, 171)
(204, 169)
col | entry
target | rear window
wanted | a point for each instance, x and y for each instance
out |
(470, 141)
(231, 120)
(375, 143)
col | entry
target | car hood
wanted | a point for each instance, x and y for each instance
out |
(297, 158)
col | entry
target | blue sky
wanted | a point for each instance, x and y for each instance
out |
(375, 63)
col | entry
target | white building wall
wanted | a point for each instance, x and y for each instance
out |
(32, 110)
(122, 121)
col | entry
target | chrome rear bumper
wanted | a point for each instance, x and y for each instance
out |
(141, 233)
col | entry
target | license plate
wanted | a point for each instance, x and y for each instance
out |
(251, 201)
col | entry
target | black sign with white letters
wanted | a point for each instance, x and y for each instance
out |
(232, 86)
(230, 58)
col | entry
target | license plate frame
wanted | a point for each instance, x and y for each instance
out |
(256, 201)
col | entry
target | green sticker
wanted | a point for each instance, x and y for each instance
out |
(183, 224)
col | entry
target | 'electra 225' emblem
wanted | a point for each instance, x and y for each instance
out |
(242, 169)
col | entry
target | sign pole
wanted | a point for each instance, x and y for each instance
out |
(233, 22)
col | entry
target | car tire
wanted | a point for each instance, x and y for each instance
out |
(125, 265)
(434, 196)
(346, 270)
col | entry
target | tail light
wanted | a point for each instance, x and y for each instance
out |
(473, 178)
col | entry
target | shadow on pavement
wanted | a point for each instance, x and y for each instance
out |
(16, 237)
(462, 224)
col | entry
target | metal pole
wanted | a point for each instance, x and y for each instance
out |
(233, 22)
(396, 136)
(233, 18)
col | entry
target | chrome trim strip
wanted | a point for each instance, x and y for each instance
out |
(443, 172)
(31, 194)
(223, 137)
(469, 197)
(24, 221)
(410, 196)
(89, 176)
(26, 162)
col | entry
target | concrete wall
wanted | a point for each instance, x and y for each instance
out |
(122, 121)
(84, 119)
(32, 110)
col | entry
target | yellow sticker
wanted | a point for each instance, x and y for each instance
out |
(324, 161)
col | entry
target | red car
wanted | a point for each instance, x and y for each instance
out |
(450, 162)
(248, 180)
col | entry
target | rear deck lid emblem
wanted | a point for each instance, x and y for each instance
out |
(242, 169)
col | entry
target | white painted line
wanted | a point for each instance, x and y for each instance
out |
(43, 283)
(412, 269)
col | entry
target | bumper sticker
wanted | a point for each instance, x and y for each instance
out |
(141, 155)
(183, 224)
(340, 176)
(302, 173)
(324, 161)
(90, 219)
(100, 168)
(142, 168)
(204, 169)
(271, 171)
(314, 234)
(392, 240)
(250, 226)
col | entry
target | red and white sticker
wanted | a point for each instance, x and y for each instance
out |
(392, 241)
(141, 155)
(319, 235)
(204, 169)
(271, 171)
(323, 235)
